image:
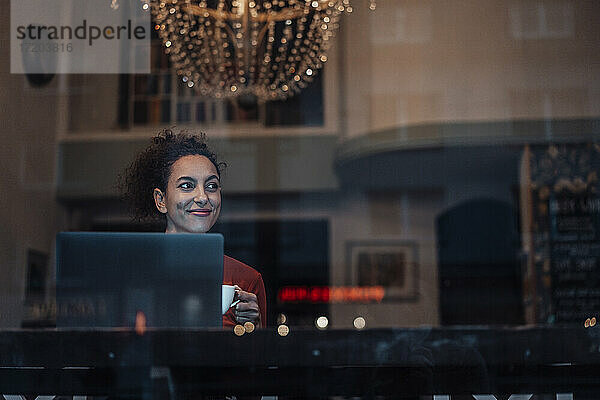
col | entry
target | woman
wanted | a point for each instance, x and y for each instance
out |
(178, 178)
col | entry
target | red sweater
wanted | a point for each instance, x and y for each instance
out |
(247, 278)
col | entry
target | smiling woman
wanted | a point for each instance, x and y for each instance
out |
(178, 178)
(193, 202)
(169, 155)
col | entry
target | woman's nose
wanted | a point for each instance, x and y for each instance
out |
(200, 197)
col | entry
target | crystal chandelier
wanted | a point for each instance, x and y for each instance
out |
(270, 49)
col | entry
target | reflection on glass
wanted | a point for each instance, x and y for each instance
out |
(183, 112)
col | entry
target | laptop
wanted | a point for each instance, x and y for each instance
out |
(114, 279)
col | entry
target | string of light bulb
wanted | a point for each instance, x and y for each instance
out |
(270, 49)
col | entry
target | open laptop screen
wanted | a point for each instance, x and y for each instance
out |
(108, 279)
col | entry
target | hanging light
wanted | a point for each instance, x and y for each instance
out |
(270, 49)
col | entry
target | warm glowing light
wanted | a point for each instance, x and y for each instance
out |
(249, 327)
(257, 47)
(283, 330)
(140, 323)
(359, 323)
(322, 322)
(239, 330)
(593, 321)
(281, 319)
(587, 323)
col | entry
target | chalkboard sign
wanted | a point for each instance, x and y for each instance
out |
(565, 229)
(575, 255)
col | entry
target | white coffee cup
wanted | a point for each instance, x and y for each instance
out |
(228, 293)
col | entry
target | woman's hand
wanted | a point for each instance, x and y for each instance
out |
(247, 309)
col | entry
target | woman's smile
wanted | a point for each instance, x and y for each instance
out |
(204, 212)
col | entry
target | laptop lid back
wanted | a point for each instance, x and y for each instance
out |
(110, 279)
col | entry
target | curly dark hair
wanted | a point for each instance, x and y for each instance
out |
(152, 168)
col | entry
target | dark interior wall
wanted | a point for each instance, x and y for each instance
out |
(28, 125)
(89, 169)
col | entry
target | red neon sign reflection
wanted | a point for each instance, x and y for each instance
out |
(331, 294)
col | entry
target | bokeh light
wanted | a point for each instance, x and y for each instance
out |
(322, 322)
(359, 323)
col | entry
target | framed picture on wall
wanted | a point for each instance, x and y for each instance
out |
(388, 263)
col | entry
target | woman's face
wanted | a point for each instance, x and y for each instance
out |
(192, 201)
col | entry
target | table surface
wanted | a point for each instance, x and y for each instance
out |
(307, 362)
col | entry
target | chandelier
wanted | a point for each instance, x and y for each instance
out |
(270, 49)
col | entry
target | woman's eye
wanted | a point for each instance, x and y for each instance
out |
(186, 185)
(212, 187)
